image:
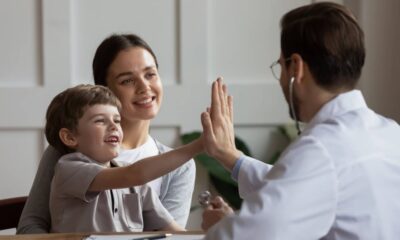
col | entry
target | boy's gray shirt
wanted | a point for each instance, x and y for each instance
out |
(73, 208)
(175, 193)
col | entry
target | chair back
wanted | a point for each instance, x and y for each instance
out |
(10, 212)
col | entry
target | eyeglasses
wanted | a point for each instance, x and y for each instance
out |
(276, 68)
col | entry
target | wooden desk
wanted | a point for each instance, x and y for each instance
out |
(79, 236)
(58, 236)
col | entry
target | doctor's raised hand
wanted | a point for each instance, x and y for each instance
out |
(219, 136)
(219, 142)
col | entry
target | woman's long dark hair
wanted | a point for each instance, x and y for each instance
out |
(108, 51)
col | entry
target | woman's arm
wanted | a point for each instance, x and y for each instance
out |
(145, 170)
(173, 226)
(177, 190)
(35, 217)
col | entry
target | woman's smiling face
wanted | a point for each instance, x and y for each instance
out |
(134, 79)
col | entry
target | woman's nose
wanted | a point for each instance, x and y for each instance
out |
(142, 85)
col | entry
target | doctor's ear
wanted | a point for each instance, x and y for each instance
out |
(68, 138)
(297, 66)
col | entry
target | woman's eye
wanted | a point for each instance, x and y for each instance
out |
(151, 75)
(118, 121)
(99, 121)
(126, 81)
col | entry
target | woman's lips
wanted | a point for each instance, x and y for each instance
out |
(146, 102)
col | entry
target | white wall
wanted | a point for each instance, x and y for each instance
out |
(48, 45)
(381, 76)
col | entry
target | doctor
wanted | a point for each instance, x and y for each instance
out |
(341, 178)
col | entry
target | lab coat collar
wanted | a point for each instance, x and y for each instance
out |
(342, 103)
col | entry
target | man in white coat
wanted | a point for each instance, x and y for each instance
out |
(341, 178)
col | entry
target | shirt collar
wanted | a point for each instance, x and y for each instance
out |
(342, 103)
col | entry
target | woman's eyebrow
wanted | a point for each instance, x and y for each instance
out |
(150, 67)
(130, 73)
(124, 74)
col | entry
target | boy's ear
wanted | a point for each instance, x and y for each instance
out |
(68, 138)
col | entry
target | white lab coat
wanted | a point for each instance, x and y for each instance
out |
(339, 180)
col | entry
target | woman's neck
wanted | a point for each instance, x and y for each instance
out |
(135, 133)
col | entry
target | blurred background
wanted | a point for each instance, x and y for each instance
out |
(48, 45)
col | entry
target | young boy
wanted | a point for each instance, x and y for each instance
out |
(89, 192)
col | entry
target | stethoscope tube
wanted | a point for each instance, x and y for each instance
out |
(291, 106)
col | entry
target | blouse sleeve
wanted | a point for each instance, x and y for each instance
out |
(35, 217)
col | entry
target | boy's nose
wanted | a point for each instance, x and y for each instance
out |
(112, 125)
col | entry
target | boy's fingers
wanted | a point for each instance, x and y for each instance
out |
(207, 125)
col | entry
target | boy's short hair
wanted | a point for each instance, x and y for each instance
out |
(329, 39)
(68, 107)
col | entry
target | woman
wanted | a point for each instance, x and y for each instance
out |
(127, 65)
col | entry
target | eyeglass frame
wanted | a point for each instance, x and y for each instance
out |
(272, 66)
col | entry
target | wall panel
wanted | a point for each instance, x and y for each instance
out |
(244, 40)
(20, 28)
(20, 150)
(94, 20)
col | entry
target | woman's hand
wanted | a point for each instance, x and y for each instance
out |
(218, 131)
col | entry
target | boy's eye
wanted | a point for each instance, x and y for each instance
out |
(99, 121)
(117, 121)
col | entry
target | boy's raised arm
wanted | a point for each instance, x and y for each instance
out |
(147, 169)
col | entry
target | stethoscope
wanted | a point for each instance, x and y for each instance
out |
(291, 106)
(204, 198)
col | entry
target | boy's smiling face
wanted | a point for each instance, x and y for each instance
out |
(99, 133)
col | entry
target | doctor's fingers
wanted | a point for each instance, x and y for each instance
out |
(223, 97)
(211, 217)
(219, 204)
(218, 136)
(226, 102)
(219, 101)
(215, 99)
(230, 107)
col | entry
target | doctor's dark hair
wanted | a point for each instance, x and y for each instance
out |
(328, 38)
(68, 107)
(108, 50)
